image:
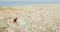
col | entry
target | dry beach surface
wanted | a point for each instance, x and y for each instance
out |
(30, 18)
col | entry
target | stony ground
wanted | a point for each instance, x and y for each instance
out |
(30, 18)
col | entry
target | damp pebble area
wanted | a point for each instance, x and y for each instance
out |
(30, 18)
